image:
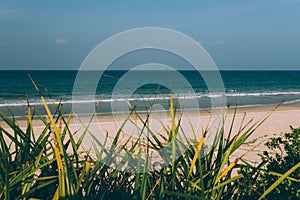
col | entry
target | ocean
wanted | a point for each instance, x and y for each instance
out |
(245, 88)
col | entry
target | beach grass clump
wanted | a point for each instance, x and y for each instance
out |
(53, 164)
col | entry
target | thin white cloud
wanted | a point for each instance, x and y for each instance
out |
(60, 41)
(146, 45)
(218, 43)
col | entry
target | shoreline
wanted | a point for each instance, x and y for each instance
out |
(243, 108)
(276, 124)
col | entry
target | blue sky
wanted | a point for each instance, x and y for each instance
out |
(248, 34)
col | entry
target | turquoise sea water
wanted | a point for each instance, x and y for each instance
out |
(248, 88)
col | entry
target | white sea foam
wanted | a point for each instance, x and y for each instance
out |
(261, 94)
(81, 100)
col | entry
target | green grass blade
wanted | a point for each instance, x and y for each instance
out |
(276, 183)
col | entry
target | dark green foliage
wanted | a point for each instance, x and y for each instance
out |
(283, 154)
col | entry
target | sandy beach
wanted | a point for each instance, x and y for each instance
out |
(276, 124)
